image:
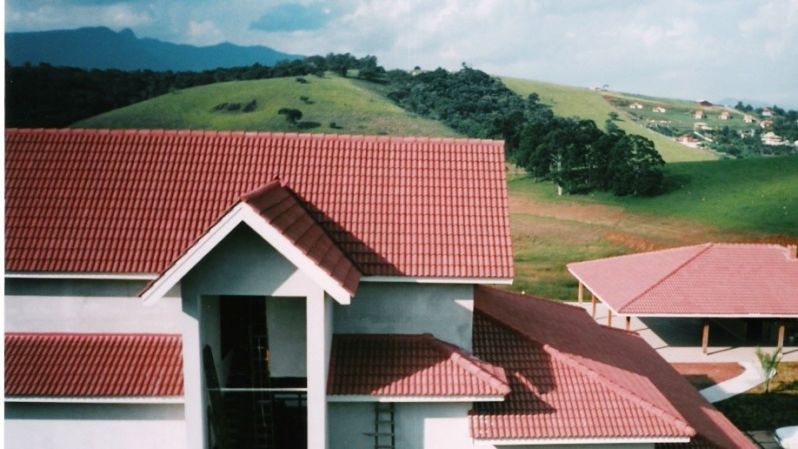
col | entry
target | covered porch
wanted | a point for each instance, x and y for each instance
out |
(681, 339)
(720, 301)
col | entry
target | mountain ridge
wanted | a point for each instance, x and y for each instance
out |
(104, 48)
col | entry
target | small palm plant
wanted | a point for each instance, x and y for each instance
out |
(769, 363)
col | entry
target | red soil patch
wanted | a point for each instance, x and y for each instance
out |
(703, 375)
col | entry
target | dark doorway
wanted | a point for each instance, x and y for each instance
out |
(244, 341)
(256, 411)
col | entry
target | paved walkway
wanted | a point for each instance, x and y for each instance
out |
(681, 340)
(750, 378)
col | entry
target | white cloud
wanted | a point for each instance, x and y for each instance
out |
(203, 32)
(683, 48)
(54, 16)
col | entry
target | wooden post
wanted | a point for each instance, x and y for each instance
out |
(609, 317)
(581, 294)
(628, 323)
(705, 337)
(593, 301)
(781, 336)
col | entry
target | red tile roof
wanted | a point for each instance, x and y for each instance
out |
(132, 201)
(409, 365)
(276, 204)
(704, 280)
(93, 365)
(571, 378)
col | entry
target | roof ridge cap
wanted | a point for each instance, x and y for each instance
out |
(707, 246)
(469, 362)
(245, 133)
(678, 421)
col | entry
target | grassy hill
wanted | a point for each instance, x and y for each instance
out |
(353, 108)
(728, 200)
(589, 104)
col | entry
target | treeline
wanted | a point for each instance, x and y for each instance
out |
(575, 154)
(47, 96)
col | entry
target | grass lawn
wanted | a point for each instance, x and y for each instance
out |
(354, 109)
(729, 201)
(589, 104)
(756, 410)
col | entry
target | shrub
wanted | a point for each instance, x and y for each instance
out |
(292, 115)
(308, 125)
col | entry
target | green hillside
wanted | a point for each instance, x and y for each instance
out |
(589, 104)
(724, 201)
(352, 108)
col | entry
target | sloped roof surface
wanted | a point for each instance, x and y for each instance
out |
(277, 205)
(132, 201)
(705, 280)
(93, 365)
(409, 365)
(571, 378)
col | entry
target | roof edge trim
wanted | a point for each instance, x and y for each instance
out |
(377, 398)
(99, 399)
(555, 441)
(83, 276)
(438, 280)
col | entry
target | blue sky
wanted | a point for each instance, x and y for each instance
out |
(681, 48)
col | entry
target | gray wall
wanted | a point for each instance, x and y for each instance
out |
(64, 305)
(285, 322)
(93, 426)
(409, 308)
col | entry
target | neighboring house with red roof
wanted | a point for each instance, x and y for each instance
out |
(229, 289)
(712, 280)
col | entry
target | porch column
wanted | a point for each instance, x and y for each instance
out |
(628, 323)
(609, 317)
(317, 336)
(593, 303)
(780, 343)
(705, 336)
(193, 379)
(581, 292)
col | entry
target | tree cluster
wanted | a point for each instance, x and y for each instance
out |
(575, 154)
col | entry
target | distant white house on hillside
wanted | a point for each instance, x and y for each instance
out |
(773, 139)
(724, 115)
(699, 114)
(659, 109)
(767, 112)
(688, 140)
(636, 105)
(766, 123)
(748, 118)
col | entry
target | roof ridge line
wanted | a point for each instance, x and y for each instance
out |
(278, 134)
(707, 246)
(678, 421)
(459, 354)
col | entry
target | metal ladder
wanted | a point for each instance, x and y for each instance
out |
(384, 426)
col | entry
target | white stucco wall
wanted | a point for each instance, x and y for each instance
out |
(423, 426)
(443, 310)
(418, 425)
(87, 306)
(93, 426)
